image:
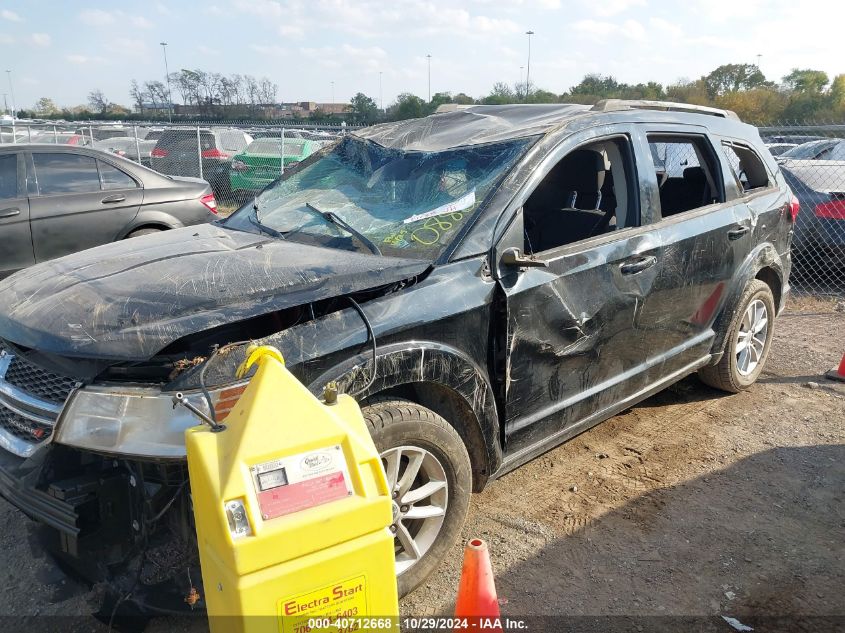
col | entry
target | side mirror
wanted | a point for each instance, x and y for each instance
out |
(514, 257)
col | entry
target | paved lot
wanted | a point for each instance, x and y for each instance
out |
(692, 503)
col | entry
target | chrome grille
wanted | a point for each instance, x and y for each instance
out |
(37, 382)
(30, 402)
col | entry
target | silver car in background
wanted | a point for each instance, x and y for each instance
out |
(59, 199)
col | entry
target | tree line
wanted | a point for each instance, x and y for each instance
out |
(208, 91)
(209, 94)
(802, 94)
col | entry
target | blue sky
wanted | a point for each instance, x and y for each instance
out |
(64, 49)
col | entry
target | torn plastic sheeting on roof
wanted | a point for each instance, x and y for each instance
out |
(472, 126)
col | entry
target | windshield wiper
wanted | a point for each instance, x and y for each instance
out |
(338, 221)
(262, 228)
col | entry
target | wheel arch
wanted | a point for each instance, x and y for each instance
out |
(145, 225)
(772, 278)
(151, 219)
(438, 377)
(763, 263)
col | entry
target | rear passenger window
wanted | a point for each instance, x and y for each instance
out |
(687, 173)
(8, 176)
(747, 167)
(66, 173)
(113, 178)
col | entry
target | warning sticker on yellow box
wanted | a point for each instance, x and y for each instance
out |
(330, 609)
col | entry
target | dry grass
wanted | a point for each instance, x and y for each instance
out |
(803, 303)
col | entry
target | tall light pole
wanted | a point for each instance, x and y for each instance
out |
(528, 65)
(167, 77)
(332, 92)
(759, 55)
(380, 98)
(12, 92)
(429, 77)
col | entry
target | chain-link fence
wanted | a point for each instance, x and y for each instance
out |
(812, 158)
(239, 159)
(236, 159)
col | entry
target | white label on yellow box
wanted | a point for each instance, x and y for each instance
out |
(324, 609)
(299, 482)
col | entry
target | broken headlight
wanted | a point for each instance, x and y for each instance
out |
(136, 421)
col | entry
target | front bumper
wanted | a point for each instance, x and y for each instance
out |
(93, 518)
(17, 485)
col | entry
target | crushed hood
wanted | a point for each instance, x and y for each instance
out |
(129, 300)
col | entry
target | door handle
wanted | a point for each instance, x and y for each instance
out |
(738, 232)
(637, 265)
(10, 212)
(113, 199)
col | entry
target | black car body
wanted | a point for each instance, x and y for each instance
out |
(573, 282)
(56, 200)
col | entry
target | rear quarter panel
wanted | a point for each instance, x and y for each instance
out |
(772, 231)
(170, 215)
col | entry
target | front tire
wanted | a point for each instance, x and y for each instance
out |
(430, 476)
(748, 341)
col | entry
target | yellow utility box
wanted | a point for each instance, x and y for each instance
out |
(292, 511)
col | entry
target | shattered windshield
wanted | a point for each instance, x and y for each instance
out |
(409, 204)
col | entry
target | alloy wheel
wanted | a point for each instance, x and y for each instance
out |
(751, 339)
(420, 493)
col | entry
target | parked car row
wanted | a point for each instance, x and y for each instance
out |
(181, 151)
(237, 164)
(78, 136)
(208, 153)
(135, 149)
(261, 162)
(200, 153)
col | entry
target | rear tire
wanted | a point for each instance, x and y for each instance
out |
(406, 435)
(747, 343)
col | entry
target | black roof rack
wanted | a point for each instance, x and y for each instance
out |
(615, 105)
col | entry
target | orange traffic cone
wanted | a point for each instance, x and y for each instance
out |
(838, 374)
(477, 601)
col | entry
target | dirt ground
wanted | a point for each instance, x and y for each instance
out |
(692, 503)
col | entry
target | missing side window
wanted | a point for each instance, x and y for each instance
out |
(747, 167)
(588, 193)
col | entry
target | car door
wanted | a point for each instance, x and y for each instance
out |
(752, 182)
(80, 202)
(705, 236)
(15, 236)
(574, 345)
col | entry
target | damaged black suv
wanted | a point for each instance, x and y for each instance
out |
(488, 282)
